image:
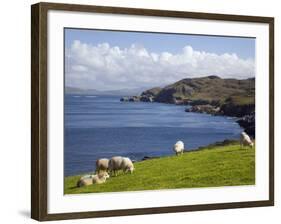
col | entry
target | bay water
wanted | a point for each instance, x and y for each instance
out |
(102, 127)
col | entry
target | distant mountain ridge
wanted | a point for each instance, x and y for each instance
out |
(120, 92)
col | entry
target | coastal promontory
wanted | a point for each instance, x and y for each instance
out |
(211, 95)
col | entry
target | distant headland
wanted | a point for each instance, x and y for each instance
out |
(211, 95)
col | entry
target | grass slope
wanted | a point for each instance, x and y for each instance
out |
(211, 167)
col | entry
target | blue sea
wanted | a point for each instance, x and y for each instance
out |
(102, 127)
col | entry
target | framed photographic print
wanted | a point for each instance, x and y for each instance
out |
(141, 111)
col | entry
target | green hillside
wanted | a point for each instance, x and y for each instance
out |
(209, 89)
(227, 165)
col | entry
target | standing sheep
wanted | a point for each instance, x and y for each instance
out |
(178, 148)
(245, 140)
(114, 165)
(117, 163)
(127, 165)
(102, 165)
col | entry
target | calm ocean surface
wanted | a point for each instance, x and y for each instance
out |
(102, 126)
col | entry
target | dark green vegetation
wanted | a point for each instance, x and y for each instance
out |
(224, 164)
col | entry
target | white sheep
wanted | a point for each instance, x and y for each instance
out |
(92, 179)
(102, 165)
(245, 140)
(178, 147)
(85, 181)
(100, 178)
(117, 163)
(127, 165)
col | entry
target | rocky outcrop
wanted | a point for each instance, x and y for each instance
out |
(130, 99)
(237, 110)
(206, 109)
(149, 95)
(124, 99)
(137, 99)
(149, 157)
(146, 96)
(147, 99)
(152, 92)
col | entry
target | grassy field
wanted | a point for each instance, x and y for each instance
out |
(210, 167)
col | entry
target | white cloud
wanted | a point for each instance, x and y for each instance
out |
(108, 67)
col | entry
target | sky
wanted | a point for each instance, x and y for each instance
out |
(111, 60)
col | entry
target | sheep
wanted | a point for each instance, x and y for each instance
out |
(117, 163)
(178, 148)
(92, 179)
(100, 178)
(85, 181)
(245, 140)
(101, 165)
(127, 165)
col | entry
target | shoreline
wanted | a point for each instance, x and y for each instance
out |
(244, 120)
(222, 165)
(208, 94)
(226, 142)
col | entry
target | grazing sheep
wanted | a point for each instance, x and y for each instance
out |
(178, 148)
(127, 165)
(245, 140)
(115, 164)
(102, 165)
(92, 179)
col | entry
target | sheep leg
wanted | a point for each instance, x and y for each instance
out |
(112, 172)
